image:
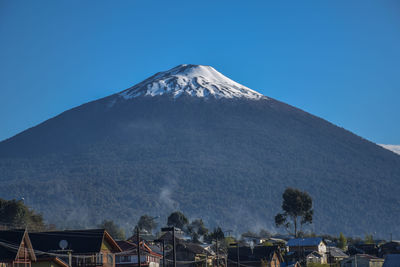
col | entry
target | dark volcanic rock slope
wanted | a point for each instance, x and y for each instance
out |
(225, 159)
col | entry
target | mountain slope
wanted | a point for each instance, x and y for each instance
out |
(393, 148)
(221, 156)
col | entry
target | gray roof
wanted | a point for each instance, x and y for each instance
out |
(304, 242)
(392, 260)
(336, 252)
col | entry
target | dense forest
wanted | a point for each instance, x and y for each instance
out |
(225, 161)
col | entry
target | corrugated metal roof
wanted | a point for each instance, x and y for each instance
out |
(336, 252)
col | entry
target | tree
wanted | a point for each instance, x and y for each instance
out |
(15, 214)
(369, 239)
(297, 205)
(216, 234)
(113, 229)
(177, 219)
(342, 242)
(197, 229)
(146, 223)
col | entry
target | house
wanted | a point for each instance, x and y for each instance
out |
(362, 260)
(370, 249)
(268, 256)
(307, 250)
(336, 255)
(129, 258)
(16, 249)
(148, 237)
(277, 242)
(392, 247)
(77, 248)
(392, 260)
(188, 252)
(307, 245)
(315, 257)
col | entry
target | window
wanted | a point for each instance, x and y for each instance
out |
(110, 258)
(99, 258)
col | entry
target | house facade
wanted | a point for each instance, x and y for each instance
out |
(262, 256)
(362, 260)
(76, 248)
(392, 247)
(307, 249)
(129, 258)
(307, 244)
(336, 255)
(16, 249)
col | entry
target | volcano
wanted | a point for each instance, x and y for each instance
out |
(191, 139)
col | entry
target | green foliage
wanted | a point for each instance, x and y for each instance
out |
(296, 204)
(229, 240)
(216, 234)
(267, 244)
(15, 214)
(113, 229)
(342, 242)
(147, 223)
(369, 239)
(197, 229)
(178, 219)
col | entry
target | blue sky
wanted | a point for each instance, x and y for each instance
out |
(339, 60)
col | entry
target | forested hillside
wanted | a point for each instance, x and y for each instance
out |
(226, 161)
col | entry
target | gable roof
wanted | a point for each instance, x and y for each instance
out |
(167, 236)
(304, 242)
(336, 252)
(392, 260)
(79, 241)
(129, 248)
(314, 254)
(10, 242)
(191, 247)
(147, 237)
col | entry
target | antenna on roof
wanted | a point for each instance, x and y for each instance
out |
(63, 244)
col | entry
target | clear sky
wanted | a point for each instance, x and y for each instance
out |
(339, 60)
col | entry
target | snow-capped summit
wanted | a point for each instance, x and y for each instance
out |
(192, 80)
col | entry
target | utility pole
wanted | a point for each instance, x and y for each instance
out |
(69, 258)
(238, 258)
(162, 241)
(216, 248)
(329, 258)
(163, 253)
(169, 229)
(173, 244)
(138, 245)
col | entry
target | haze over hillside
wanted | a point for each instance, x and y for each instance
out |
(192, 139)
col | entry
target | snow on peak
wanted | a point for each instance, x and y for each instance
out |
(192, 80)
